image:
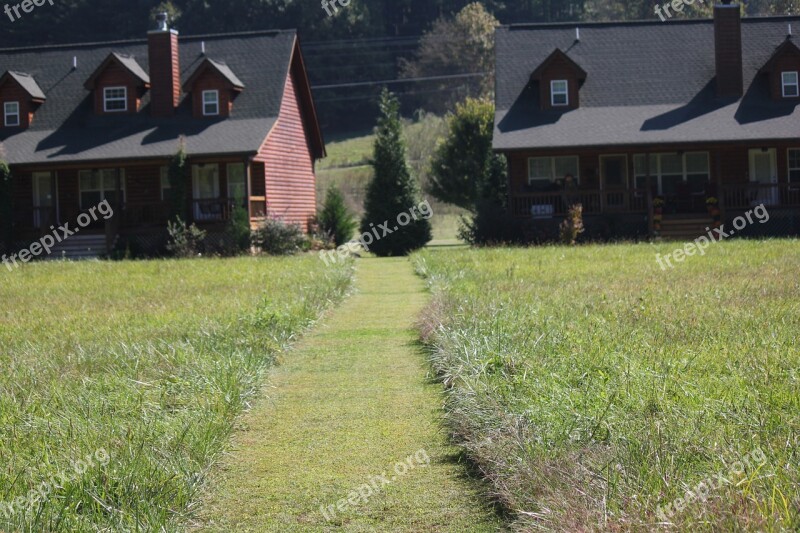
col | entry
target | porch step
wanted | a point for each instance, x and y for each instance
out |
(77, 247)
(683, 227)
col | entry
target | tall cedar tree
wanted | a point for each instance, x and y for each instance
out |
(393, 190)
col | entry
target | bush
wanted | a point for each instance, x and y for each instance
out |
(491, 224)
(239, 230)
(335, 219)
(184, 241)
(276, 237)
(572, 225)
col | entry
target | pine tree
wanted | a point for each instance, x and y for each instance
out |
(335, 219)
(393, 191)
(6, 207)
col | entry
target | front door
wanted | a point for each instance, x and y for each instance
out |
(43, 200)
(764, 173)
(614, 179)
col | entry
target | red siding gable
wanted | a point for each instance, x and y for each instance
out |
(290, 179)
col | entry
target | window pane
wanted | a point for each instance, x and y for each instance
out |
(794, 159)
(90, 199)
(794, 176)
(697, 163)
(110, 180)
(236, 181)
(670, 184)
(540, 168)
(566, 165)
(90, 181)
(671, 164)
(697, 182)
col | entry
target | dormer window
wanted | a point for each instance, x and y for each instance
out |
(11, 114)
(115, 99)
(791, 86)
(210, 103)
(213, 87)
(559, 93)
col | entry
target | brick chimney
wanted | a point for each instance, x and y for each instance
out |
(165, 76)
(728, 49)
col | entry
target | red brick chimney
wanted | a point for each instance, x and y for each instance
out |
(728, 49)
(165, 74)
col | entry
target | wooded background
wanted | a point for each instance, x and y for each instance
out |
(363, 44)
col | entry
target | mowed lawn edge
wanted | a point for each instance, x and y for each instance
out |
(147, 362)
(320, 452)
(597, 392)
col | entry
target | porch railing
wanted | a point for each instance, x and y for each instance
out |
(747, 195)
(557, 203)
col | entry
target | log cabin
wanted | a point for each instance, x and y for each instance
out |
(667, 127)
(90, 122)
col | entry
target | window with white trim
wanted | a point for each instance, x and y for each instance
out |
(98, 185)
(115, 99)
(544, 171)
(237, 184)
(210, 103)
(669, 171)
(791, 84)
(11, 112)
(794, 165)
(559, 93)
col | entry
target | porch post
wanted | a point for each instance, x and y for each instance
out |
(248, 178)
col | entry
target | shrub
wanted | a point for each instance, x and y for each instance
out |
(276, 237)
(572, 225)
(239, 230)
(491, 224)
(335, 219)
(184, 241)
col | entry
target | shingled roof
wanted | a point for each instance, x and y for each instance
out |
(65, 128)
(646, 82)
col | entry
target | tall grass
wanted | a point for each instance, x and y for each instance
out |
(149, 362)
(591, 387)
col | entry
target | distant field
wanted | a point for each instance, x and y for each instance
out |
(146, 362)
(347, 166)
(595, 390)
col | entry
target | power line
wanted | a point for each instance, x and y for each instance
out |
(403, 80)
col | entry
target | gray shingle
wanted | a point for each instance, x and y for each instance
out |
(646, 82)
(65, 128)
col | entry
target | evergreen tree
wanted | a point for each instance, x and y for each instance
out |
(335, 219)
(393, 191)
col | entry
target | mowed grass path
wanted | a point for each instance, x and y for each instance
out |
(352, 400)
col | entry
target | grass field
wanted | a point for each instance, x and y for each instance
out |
(597, 392)
(121, 381)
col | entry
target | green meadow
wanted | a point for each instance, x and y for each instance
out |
(121, 382)
(596, 391)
